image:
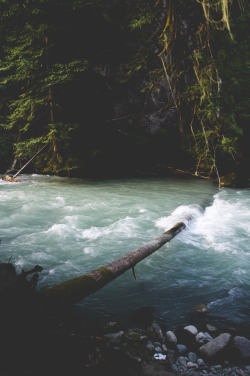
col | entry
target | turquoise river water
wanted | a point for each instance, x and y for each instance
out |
(72, 226)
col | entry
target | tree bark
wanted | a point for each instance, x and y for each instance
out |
(76, 289)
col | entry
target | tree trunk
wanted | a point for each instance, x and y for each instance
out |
(76, 289)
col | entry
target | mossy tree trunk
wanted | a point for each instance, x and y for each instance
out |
(76, 289)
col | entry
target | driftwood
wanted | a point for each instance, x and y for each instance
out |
(76, 289)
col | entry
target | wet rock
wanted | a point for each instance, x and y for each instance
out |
(164, 348)
(192, 357)
(114, 337)
(182, 361)
(157, 330)
(171, 337)
(242, 345)
(234, 181)
(150, 347)
(158, 349)
(201, 362)
(202, 338)
(201, 308)
(185, 337)
(191, 329)
(211, 328)
(216, 347)
(192, 365)
(182, 349)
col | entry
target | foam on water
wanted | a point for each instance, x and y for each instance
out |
(71, 227)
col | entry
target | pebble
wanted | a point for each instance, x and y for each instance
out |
(192, 357)
(192, 365)
(182, 349)
(158, 349)
(150, 347)
(164, 348)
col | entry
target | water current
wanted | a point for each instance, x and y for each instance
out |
(72, 226)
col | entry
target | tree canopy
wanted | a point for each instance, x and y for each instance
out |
(119, 86)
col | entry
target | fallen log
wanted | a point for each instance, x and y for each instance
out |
(76, 289)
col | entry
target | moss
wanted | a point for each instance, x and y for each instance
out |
(72, 289)
(107, 274)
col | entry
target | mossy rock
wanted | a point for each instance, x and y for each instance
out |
(233, 181)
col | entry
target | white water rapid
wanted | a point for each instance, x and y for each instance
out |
(72, 226)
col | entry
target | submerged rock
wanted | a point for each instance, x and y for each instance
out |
(201, 308)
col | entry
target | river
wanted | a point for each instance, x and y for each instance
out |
(72, 226)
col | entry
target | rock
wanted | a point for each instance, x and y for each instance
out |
(114, 337)
(164, 348)
(201, 308)
(10, 179)
(182, 349)
(171, 337)
(158, 349)
(192, 365)
(216, 347)
(242, 345)
(191, 329)
(182, 361)
(150, 347)
(201, 362)
(192, 357)
(157, 330)
(234, 181)
(211, 328)
(174, 367)
(203, 338)
(185, 337)
(157, 344)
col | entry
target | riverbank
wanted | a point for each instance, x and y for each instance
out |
(37, 339)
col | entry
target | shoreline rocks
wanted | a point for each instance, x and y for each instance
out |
(212, 354)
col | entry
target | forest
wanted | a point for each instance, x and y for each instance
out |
(127, 87)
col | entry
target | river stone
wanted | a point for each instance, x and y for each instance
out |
(164, 348)
(201, 362)
(191, 329)
(158, 349)
(242, 344)
(203, 338)
(150, 347)
(182, 361)
(215, 347)
(157, 330)
(192, 365)
(201, 308)
(211, 328)
(114, 337)
(182, 349)
(171, 337)
(192, 357)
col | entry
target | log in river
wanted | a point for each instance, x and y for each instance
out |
(76, 289)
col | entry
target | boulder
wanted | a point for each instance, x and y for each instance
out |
(242, 345)
(216, 347)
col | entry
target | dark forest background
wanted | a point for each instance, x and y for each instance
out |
(128, 87)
